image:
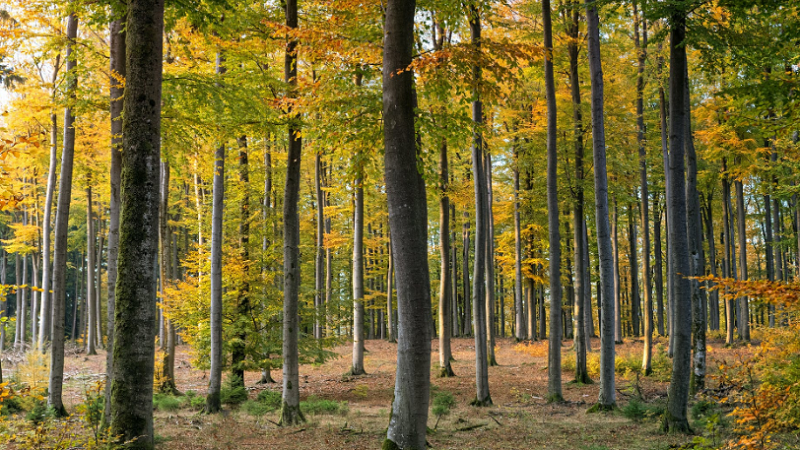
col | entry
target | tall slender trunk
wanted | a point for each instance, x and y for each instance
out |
(615, 250)
(712, 263)
(44, 329)
(743, 319)
(641, 50)
(239, 347)
(675, 418)
(490, 284)
(776, 250)
(390, 311)
(729, 266)
(483, 397)
(358, 280)
(290, 412)
(117, 67)
(519, 317)
(445, 284)
(91, 338)
(22, 319)
(667, 190)
(3, 301)
(554, 349)
(607, 398)
(217, 210)
(319, 261)
(659, 269)
(135, 312)
(408, 223)
(167, 375)
(633, 263)
(61, 229)
(697, 261)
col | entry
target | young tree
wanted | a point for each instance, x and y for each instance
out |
(445, 284)
(215, 372)
(408, 220)
(135, 312)
(61, 228)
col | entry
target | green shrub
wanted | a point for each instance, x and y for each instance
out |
(442, 402)
(638, 410)
(163, 402)
(233, 391)
(271, 399)
(197, 402)
(314, 405)
(255, 408)
(39, 412)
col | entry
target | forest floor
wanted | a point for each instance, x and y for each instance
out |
(520, 417)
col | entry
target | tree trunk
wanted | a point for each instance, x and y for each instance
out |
(633, 263)
(554, 351)
(167, 375)
(490, 285)
(729, 266)
(61, 229)
(408, 221)
(483, 397)
(776, 250)
(519, 318)
(319, 261)
(239, 347)
(91, 338)
(607, 398)
(217, 210)
(44, 329)
(445, 284)
(712, 263)
(358, 280)
(135, 312)
(617, 297)
(290, 412)
(743, 319)
(659, 281)
(675, 417)
(697, 261)
(641, 50)
(117, 67)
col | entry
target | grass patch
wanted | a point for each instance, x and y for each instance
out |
(266, 402)
(314, 405)
(164, 402)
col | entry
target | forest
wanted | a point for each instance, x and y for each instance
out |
(400, 224)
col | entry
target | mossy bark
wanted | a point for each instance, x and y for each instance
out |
(135, 312)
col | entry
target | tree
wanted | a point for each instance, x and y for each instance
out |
(117, 66)
(60, 239)
(483, 398)
(445, 284)
(675, 417)
(607, 385)
(408, 219)
(290, 411)
(554, 352)
(135, 311)
(215, 373)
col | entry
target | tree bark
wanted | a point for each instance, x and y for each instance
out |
(490, 285)
(729, 266)
(519, 318)
(483, 397)
(554, 350)
(617, 298)
(607, 398)
(675, 418)
(217, 210)
(445, 283)
(633, 263)
(408, 221)
(743, 319)
(358, 280)
(44, 329)
(641, 50)
(135, 312)
(91, 337)
(167, 375)
(290, 412)
(319, 261)
(61, 229)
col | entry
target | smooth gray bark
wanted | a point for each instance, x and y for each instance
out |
(91, 337)
(490, 285)
(408, 220)
(290, 412)
(519, 317)
(607, 398)
(61, 229)
(319, 260)
(215, 322)
(617, 297)
(675, 419)
(358, 281)
(554, 350)
(743, 320)
(445, 283)
(47, 317)
(729, 263)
